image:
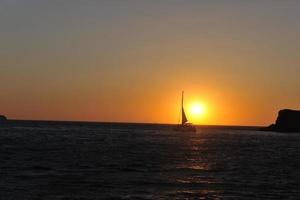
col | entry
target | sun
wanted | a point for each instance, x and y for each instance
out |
(196, 111)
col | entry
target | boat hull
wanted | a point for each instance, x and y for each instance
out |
(185, 128)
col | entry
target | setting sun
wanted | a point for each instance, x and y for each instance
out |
(196, 111)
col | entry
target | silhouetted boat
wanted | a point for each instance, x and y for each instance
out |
(185, 126)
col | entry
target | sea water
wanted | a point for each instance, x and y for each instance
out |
(52, 160)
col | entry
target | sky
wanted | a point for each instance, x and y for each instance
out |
(129, 60)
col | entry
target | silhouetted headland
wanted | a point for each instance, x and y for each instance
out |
(3, 118)
(287, 121)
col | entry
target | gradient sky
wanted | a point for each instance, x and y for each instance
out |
(121, 60)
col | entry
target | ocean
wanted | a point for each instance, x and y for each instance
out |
(87, 161)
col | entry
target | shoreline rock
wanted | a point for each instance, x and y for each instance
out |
(3, 118)
(287, 121)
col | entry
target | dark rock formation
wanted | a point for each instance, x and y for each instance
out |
(2, 118)
(287, 121)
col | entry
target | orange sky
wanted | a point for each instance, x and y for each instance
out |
(129, 61)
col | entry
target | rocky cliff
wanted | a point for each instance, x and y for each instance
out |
(2, 118)
(287, 121)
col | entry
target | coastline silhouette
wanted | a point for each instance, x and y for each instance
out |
(287, 121)
(3, 118)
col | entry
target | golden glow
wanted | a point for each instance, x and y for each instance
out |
(197, 109)
(138, 76)
(196, 112)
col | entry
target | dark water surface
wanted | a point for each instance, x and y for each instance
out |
(77, 161)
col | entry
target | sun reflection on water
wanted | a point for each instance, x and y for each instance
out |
(196, 177)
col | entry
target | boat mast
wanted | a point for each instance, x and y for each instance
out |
(183, 116)
(182, 96)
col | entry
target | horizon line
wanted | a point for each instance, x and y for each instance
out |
(126, 122)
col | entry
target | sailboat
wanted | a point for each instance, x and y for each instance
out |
(185, 126)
